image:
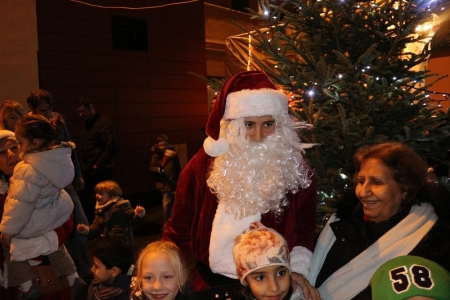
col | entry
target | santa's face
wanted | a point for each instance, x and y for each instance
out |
(258, 128)
(255, 176)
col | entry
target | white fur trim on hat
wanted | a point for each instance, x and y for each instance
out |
(255, 103)
(215, 148)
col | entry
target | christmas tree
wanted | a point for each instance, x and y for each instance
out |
(355, 71)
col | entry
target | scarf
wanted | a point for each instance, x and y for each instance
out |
(110, 202)
(400, 240)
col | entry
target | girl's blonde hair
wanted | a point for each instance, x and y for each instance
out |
(175, 259)
(110, 187)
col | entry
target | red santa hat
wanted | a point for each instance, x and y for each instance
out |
(246, 94)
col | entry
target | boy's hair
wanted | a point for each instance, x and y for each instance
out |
(7, 108)
(38, 127)
(38, 97)
(114, 252)
(162, 138)
(110, 187)
(174, 255)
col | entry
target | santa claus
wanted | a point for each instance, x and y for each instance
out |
(249, 169)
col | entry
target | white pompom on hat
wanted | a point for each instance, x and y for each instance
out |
(246, 94)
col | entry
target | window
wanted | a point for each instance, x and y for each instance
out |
(129, 33)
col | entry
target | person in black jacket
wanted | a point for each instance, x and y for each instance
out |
(97, 151)
(397, 211)
(165, 165)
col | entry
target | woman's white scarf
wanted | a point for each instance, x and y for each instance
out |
(400, 240)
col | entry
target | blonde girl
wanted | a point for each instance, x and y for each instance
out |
(160, 273)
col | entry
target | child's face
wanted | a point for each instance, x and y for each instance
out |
(159, 280)
(25, 146)
(100, 272)
(102, 198)
(269, 283)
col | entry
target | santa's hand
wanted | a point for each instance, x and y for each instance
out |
(309, 292)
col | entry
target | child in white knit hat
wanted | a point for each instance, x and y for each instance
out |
(263, 265)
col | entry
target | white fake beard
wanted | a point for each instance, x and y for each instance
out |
(256, 176)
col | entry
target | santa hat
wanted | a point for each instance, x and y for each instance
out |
(408, 276)
(246, 94)
(257, 248)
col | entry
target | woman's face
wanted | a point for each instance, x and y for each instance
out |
(11, 121)
(379, 194)
(9, 156)
(269, 283)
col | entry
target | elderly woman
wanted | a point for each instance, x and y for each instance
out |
(24, 249)
(395, 216)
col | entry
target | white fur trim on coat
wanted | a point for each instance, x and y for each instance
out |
(224, 230)
(301, 260)
(255, 103)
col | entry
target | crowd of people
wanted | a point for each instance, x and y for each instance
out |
(239, 219)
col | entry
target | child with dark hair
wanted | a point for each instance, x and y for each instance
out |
(263, 264)
(112, 268)
(114, 216)
(37, 202)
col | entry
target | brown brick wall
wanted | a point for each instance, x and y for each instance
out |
(143, 93)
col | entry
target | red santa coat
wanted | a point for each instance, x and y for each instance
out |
(195, 207)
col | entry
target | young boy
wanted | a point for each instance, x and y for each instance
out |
(114, 216)
(112, 268)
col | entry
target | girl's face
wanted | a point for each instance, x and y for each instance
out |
(102, 198)
(159, 279)
(269, 283)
